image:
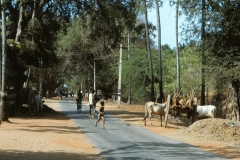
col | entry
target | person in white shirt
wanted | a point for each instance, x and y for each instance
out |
(92, 100)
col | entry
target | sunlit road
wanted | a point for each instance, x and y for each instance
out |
(120, 140)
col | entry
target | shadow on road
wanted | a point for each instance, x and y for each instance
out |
(28, 155)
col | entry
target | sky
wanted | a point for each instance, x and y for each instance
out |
(168, 24)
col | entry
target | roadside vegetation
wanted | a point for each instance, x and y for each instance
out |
(71, 42)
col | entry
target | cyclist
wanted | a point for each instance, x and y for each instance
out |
(79, 99)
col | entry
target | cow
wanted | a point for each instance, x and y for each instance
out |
(207, 111)
(154, 108)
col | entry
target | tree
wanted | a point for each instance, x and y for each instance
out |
(152, 98)
(3, 96)
(161, 94)
(225, 49)
(219, 30)
(203, 52)
(100, 30)
(34, 29)
(138, 67)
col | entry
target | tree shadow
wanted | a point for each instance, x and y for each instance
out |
(52, 155)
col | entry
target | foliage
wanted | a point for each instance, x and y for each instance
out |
(99, 32)
(137, 67)
(221, 57)
(71, 35)
(77, 60)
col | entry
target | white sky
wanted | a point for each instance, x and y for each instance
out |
(168, 24)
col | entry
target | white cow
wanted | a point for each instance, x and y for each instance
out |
(154, 108)
(207, 111)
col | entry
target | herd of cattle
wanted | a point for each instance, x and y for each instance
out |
(153, 108)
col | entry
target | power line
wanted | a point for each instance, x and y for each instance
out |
(165, 20)
(168, 23)
(172, 36)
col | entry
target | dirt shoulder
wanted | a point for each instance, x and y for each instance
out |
(202, 134)
(53, 136)
(48, 136)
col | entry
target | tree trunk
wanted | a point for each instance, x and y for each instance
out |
(161, 94)
(203, 53)
(149, 52)
(3, 104)
(235, 100)
(20, 23)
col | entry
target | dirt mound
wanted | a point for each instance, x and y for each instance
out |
(215, 129)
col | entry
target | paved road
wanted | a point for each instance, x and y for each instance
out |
(120, 140)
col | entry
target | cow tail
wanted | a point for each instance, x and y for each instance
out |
(146, 113)
(215, 113)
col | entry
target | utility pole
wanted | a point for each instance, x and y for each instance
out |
(177, 51)
(94, 75)
(81, 85)
(40, 76)
(120, 76)
(129, 86)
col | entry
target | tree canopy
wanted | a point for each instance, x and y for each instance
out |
(71, 35)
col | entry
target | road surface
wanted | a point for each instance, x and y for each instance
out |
(121, 140)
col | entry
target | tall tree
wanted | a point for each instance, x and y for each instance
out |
(149, 52)
(3, 103)
(161, 94)
(203, 52)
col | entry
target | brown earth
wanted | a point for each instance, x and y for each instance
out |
(54, 136)
(219, 136)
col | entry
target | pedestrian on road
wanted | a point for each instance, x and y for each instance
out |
(101, 114)
(92, 100)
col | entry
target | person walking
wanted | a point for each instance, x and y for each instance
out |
(92, 100)
(101, 114)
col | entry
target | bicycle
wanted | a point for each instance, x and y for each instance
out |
(79, 106)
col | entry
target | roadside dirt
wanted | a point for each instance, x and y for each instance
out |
(54, 136)
(49, 136)
(215, 135)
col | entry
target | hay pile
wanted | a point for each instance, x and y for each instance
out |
(215, 129)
